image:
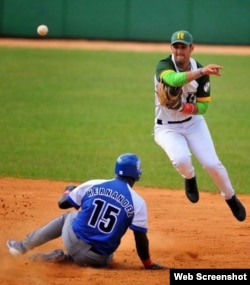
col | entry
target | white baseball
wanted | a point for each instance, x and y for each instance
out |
(42, 30)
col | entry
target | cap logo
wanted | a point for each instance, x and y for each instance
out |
(180, 36)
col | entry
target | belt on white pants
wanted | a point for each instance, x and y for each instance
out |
(160, 122)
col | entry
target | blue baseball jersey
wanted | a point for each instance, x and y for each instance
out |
(107, 208)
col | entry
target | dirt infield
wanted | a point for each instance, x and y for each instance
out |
(119, 46)
(182, 234)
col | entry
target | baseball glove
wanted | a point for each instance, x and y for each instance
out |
(169, 96)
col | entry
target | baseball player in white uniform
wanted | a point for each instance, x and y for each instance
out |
(183, 132)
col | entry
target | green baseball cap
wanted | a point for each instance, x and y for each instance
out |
(183, 37)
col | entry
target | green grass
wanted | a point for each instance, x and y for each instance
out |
(67, 114)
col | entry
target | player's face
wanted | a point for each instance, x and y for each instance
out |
(181, 54)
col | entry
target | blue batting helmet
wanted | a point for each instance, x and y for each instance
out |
(129, 165)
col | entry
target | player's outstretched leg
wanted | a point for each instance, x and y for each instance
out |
(53, 256)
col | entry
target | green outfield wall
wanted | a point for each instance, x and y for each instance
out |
(210, 21)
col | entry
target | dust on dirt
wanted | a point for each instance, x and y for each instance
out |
(118, 46)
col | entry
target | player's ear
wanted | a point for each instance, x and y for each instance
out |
(192, 48)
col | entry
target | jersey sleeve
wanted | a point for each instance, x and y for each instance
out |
(163, 65)
(140, 220)
(75, 197)
(165, 70)
(203, 90)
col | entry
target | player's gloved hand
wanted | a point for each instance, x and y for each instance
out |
(154, 266)
(68, 189)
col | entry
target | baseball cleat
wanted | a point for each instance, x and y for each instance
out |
(191, 190)
(16, 248)
(55, 255)
(237, 208)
